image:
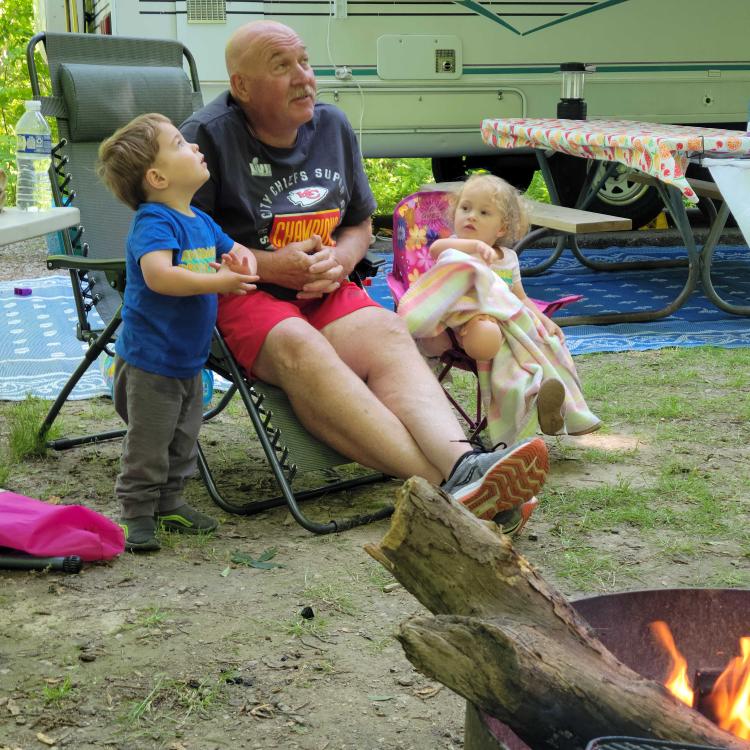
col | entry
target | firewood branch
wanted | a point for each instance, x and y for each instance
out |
(509, 643)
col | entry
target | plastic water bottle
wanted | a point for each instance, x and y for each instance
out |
(33, 155)
(208, 386)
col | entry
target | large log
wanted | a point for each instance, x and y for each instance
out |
(509, 643)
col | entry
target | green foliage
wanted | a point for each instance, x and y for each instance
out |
(537, 190)
(16, 28)
(393, 179)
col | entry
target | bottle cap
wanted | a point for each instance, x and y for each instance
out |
(34, 105)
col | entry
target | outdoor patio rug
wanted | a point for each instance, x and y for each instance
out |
(39, 350)
(697, 323)
(38, 346)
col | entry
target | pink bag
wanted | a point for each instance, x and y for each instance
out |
(45, 530)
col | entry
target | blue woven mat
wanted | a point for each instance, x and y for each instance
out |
(39, 350)
(697, 323)
(38, 346)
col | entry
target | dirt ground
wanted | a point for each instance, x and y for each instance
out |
(186, 650)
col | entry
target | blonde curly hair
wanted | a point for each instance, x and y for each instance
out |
(509, 202)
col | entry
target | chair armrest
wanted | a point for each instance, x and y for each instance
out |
(112, 268)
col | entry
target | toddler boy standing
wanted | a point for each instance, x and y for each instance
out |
(168, 316)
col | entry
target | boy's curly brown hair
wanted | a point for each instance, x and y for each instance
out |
(509, 201)
(126, 156)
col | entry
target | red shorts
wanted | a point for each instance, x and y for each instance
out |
(245, 321)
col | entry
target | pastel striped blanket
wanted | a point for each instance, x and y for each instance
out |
(460, 286)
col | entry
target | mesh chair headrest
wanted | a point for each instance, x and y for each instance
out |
(101, 98)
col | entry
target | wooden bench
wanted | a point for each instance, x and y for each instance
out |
(558, 218)
(703, 188)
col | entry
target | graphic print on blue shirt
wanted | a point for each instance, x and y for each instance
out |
(163, 334)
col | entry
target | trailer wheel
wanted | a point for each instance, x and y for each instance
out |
(456, 168)
(631, 200)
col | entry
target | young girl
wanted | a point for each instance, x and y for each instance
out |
(475, 290)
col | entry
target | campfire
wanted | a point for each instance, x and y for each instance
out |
(724, 698)
(542, 673)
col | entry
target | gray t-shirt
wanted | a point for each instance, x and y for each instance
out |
(265, 197)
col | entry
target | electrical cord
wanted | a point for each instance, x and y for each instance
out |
(331, 12)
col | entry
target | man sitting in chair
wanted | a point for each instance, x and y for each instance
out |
(287, 181)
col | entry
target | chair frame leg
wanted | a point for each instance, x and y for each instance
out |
(91, 355)
(283, 471)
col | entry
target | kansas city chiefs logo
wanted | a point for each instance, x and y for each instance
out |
(307, 196)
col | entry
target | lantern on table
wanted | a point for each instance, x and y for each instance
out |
(572, 105)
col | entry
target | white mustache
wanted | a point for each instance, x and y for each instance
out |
(305, 91)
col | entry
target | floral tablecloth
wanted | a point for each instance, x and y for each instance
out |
(659, 150)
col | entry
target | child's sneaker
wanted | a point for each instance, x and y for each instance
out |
(186, 520)
(489, 483)
(512, 521)
(140, 534)
(588, 430)
(549, 404)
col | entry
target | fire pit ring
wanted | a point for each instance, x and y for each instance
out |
(634, 743)
(621, 621)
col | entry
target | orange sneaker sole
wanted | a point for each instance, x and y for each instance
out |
(514, 479)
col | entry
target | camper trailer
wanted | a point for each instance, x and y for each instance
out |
(417, 78)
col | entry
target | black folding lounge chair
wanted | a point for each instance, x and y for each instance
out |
(97, 84)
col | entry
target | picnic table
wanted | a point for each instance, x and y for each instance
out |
(17, 225)
(661, 153)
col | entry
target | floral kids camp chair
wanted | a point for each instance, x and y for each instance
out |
(419, 220)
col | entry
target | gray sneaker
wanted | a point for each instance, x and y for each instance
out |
(489, 483)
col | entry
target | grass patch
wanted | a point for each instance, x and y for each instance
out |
(150, 618)
(590, 569)
(331, 596)
(5, 468)
(600, 456)
(379, 576)
(24, 420)
(58, 692)
(299, 626)
(178, 699)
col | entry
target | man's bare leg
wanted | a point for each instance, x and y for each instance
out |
(500, 484)
(434, 346)
(335, 404)
(400, 378)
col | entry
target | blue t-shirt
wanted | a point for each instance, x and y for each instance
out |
(160, 333)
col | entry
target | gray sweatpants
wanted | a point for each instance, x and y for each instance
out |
(163, 416)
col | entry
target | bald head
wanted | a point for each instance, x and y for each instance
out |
(248, 41)
(271, 79)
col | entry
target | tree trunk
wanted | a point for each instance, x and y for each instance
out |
(509, 643)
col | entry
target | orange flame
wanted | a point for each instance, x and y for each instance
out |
(730, 696)
(677, 682)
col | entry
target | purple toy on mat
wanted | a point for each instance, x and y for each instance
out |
(22, 291)
(45, 530)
